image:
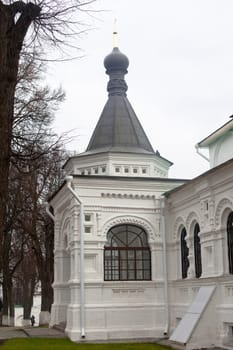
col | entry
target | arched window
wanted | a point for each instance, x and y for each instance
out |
(230, 241)
(127, 254)
(184, 254)
(197, 251)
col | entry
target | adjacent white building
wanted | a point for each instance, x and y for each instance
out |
(199, 234)
(136, 251)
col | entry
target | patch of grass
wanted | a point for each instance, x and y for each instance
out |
(66, 344)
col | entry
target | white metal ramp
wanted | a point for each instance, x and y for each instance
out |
(186, 326)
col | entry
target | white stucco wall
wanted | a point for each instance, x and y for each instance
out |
(113, 309)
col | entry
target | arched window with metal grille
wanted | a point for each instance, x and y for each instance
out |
(230, 241)
(197, 251)
(127, 254)
(184, 254)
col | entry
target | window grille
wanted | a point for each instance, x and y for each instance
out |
(127, 254)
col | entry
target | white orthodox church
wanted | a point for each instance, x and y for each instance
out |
(139, 254)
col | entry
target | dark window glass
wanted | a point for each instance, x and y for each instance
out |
(184, 254)
(197, 251)
(127, 254)
(87, 217)
(230, 241)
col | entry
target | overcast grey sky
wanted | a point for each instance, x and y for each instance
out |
(179, 78)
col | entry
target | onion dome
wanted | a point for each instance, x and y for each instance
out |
(116, 61)
(116, 64)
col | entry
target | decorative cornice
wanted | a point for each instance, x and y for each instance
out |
(127, 195)
(125, 209)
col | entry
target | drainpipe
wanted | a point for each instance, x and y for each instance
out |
(166, 327)
(69, 180)
(201, 154)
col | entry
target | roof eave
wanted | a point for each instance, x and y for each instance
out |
(203, 175)
(216, 134)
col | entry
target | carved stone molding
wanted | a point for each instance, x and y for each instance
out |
(134, 220)
(176, 227)
(225, 203)
(192, 217)
(128, 210)
(127, 292)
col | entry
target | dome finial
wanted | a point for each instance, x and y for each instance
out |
(115, 34)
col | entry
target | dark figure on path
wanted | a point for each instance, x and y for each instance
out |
(32, 320)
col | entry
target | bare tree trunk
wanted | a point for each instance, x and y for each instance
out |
(8, 304)
(12, 34)
(46, 293)
(46, 298)
(11, 304)
(6, 278)
(6, 119)
(45, 270)
(28, 292)
(5, 310)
